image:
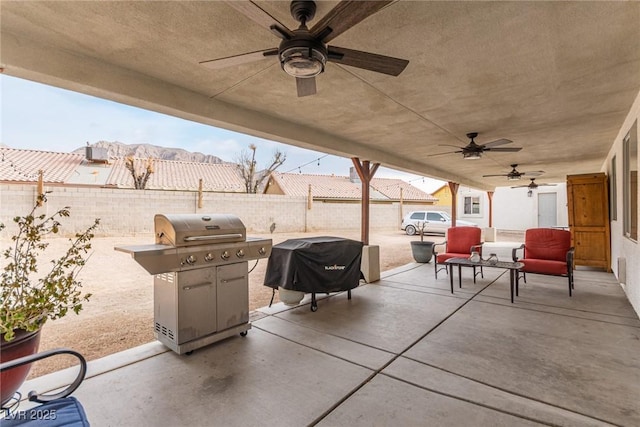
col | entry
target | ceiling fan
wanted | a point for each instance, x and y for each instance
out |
(474, 151)
(303, 53)
(533, 185)
(515, 175)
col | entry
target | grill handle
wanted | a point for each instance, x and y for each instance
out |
(199, 285)
(233, 279)
(212, 238)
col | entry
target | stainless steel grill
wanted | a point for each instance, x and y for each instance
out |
(200, 285)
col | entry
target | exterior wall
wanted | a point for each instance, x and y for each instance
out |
(514, 210)
(621, 246)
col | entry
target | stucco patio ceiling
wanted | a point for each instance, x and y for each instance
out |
(557, 78)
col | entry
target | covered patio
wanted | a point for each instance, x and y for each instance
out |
(559, 79)
(402, 351)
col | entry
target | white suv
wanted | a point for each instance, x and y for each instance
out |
(435, 222)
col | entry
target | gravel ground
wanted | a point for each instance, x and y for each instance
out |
(119, 315)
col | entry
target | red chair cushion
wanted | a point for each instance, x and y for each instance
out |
(542, 266)
(460, 240)
(547, 244)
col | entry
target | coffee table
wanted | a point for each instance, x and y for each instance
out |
(513, 267)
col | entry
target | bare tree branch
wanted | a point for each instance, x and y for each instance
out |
(248, 168)
(139, 179)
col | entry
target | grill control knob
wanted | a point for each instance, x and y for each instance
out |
(262, 251)
(225, 255)
(208, 257)
(191, 260)
(240, 253)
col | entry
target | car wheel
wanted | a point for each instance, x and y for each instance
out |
(411, 230)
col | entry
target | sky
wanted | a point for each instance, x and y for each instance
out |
(41, 117)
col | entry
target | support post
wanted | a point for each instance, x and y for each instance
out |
(453, 186)
(400, 209)
(40, 188)
(365, 172)
(200, 204)
(490, 195)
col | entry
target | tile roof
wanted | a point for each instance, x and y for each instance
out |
(23, 165)
(65, 168)
(391, 188)
(177, 175)
(341, 187)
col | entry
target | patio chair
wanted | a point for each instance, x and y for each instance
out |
(546, 251)
(460, 242)
(57, 409)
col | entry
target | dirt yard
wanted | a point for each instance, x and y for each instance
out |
(119, 315)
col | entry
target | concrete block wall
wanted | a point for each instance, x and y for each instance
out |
(131, 212)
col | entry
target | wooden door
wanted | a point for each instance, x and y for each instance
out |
(588, 203)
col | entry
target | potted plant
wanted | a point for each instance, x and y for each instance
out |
(422, 251)
(29, 299)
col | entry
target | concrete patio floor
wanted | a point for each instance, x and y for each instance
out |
(403, 351)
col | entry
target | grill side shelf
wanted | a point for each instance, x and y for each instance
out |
(155, 259)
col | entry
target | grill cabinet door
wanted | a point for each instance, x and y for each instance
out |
(233, 295)
(197, 304)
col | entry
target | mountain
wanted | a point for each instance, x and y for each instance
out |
(119, 149)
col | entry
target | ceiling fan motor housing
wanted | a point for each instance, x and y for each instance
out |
(303, 11)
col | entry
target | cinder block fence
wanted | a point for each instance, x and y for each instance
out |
(130, 212)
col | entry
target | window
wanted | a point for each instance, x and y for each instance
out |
(471, 205)
(418, 215)
(434, 216)
(630, 183)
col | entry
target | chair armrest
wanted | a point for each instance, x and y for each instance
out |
(514, 254)
(438, 244)
(33, 396)
(476, 248)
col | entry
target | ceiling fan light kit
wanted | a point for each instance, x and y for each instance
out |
(471, 155)
(303, 62)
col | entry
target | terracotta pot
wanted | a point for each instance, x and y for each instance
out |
(24, 344)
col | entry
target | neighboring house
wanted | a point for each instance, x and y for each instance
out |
(346, 188)
(516, 209)
(21, 166)
(513, 208)
(443, 194)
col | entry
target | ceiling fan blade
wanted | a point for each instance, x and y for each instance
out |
(244, 58)
(345, 15)
(533, 173)
(502, 174)
(368, 61)
(260, 17)
(441, 154)
(503, 149)
(306, 86)
(451, 145)
(497, 142)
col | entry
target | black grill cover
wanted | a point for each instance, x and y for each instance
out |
(315, 264)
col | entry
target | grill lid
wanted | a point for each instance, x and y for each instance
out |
(180, 230)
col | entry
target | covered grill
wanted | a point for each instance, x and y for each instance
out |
(315, 264)
(200, 285)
